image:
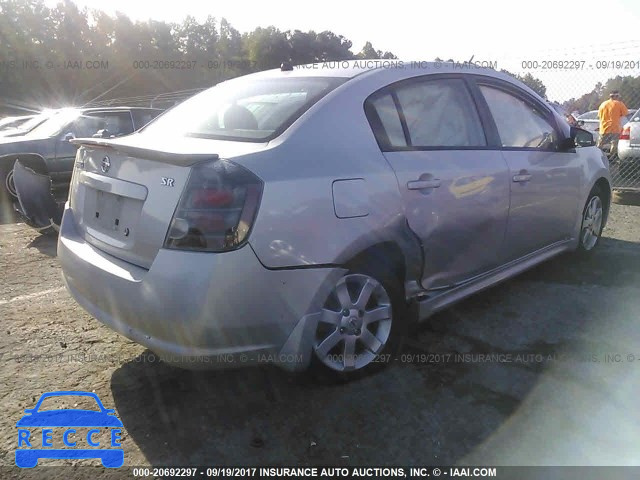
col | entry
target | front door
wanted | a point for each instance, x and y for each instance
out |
(545, 182)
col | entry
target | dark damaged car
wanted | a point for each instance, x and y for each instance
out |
(35, 169)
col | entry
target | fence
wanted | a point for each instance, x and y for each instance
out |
(162, 100)
(578, 80)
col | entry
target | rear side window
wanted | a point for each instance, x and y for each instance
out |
(391, 133)
(435, 114)
(519, 124)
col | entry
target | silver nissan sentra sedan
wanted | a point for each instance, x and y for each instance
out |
(307, 216)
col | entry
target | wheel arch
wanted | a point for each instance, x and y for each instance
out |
(401, 252)
(34, 161)
(605, 188)
(387, 252)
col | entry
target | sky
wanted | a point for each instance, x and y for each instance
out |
(506, 32)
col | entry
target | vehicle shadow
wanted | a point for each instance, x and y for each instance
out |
(616, 262)
(47, 244)
(463, 377)
(259, 416)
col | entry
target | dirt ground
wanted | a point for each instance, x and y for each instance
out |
(551, 376)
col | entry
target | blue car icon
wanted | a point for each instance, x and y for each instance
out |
(69, 418)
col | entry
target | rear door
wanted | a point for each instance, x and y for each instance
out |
(545, 182)
(454, 185)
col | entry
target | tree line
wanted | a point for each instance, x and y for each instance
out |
(64, 55)
(628, 86)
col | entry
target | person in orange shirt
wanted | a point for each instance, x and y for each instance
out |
(610, 113)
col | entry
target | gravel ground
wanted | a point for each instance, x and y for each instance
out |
(551, 376)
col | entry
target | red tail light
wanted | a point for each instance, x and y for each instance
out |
(216, 210)
(626, 133)
(212, 197)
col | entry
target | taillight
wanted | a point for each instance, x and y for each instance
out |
(78, 166)
(216, 210)
(626, 133)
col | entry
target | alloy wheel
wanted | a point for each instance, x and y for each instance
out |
(591, 223)
(355, 323)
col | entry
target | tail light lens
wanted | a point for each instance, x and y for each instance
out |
(78, 166)
(626, 133)
(217, 208)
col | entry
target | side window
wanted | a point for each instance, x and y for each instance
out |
(85, 126)
(118, 123)
(440, 113)
(519, 124)
(387, 113)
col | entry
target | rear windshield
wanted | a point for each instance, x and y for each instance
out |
(246, 110)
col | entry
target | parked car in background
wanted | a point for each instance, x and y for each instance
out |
(38, 169)
(590, 122)
(29, 125)
(7, 123)
(47, 148)
(629, 143)
(293, 216)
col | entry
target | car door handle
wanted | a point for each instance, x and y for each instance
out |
(521, 178)
(422, 184)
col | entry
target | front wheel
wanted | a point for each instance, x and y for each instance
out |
(7, 188)
(592, 222)
(361, 325)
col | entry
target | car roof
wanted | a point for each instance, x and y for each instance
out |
(19, 117)
(109, 109)
(359, 69)
(354, 68)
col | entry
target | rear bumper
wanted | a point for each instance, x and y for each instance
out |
(626, 151)
(199, 310)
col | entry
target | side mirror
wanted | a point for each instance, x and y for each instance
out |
(68, 137)
(581, 137)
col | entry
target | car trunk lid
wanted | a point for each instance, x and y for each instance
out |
(124, 192)
(634, 133)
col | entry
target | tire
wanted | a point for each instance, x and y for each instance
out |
(592, 224)
(6, 174)
(7, 214)
(355, 338)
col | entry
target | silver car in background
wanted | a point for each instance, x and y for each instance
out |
(591, 122)
(629, 143)
(308, 216)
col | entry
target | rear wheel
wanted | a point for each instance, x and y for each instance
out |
(361, 326)
(592, 222)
